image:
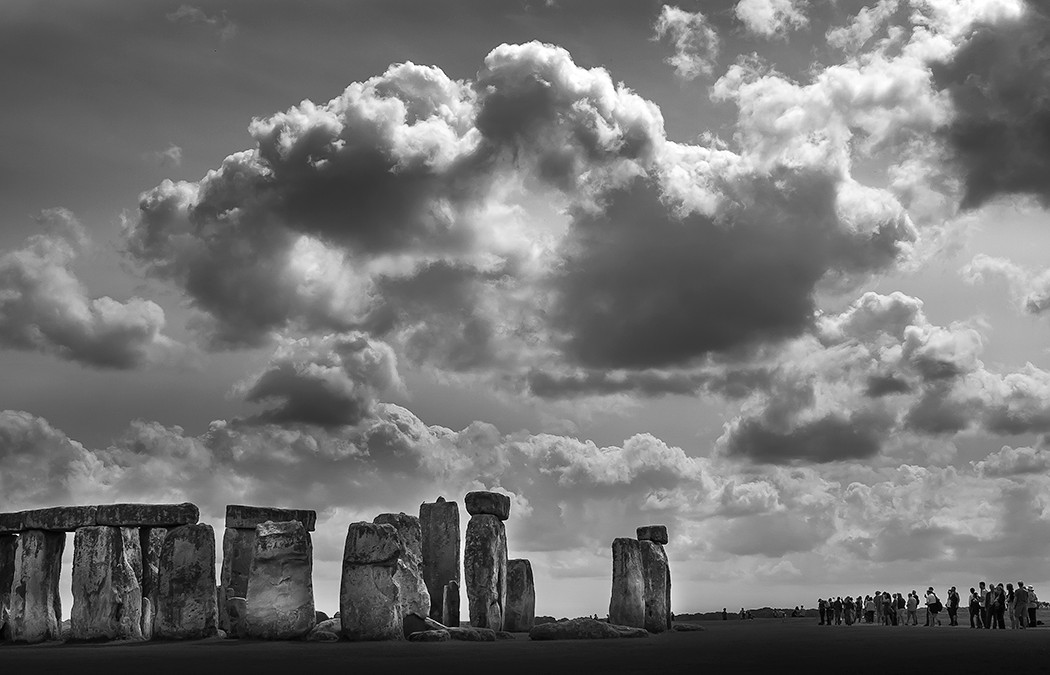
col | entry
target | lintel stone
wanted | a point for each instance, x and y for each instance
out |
(59, 518)
(248, 517)
(147, 515)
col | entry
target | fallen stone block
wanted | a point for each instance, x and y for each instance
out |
(654, 533)
(485, 571)
(147, 515)
(325, 631)
(415, 598)
(186, 608)
(584, 629)
(369, 598)
(521, 597)
(504, 635)
(430, 636)
(107, 594)
(440, 552)
(627, 604)
(247, 517)
(280, 598)
(471, 634)
(59, 518)
(36, 607)
(482, 502)
(687, 627)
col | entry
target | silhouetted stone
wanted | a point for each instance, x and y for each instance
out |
(627, 605)
(521, 596)
(237, 610)
(471, 634)
(247, 517)
(280, 598)
(151, 539)
(409, 576)
(369, 598)
(482, 502)
(238, 546)
(147, 515)
(59, 518)
(655, 574)
(430, 636)
(415, 623)
(655, 533)
(325, 631)
(450, 604)
(485, 571)
(8, 548)
(107, 595)
(186, 607)
(440, 549)
(320, 616)
(584, 629)
(36, 607)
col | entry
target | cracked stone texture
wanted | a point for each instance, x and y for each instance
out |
(521, 596)
(186, 608)
(485, 571)
(627, 605)
(280, 600)
(440, 550)
(656, 575)
(369, 596)
(36, 608)
(107, 593)
(415, 598)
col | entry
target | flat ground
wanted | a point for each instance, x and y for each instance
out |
(732, 647)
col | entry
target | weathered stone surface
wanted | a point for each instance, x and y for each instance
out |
(237, 610)
(485, 571)
(280, 598)
(372, 544)
(36, 608)
(11, 522)
(325, 631)
(107, 594)
(409, 576)
(584, 629)
(521, 597)
(415, 623)
(655, 574)
(186, 608)
(59, 518)
(369, 597)
(627, 605)
(151, 539)
(687, 627)
(450, 604)
(247, 517)
(440, 538)
(655, 533)
(670, 614)
(147, 515)
(430, 636)
(471, 634)
(8, 547)
(238, 546)
(487, 503)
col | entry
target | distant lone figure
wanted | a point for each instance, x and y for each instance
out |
(725, 614)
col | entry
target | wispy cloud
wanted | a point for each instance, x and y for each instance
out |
(220, 23)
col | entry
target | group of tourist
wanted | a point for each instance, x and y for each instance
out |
(988, 605)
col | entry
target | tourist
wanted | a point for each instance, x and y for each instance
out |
(999, 607)
(889, 609)
(1020, 608)
(953, 606)
(1010, 613)
(822, 609)
(860, 609)
(933, 606)
(913, 608)
(901, 608)
(1033, 607)
(878, 607)
(986, 605)
(836, 606)
(725, 614)
(869, 609)
(975, 609)
(847, 610)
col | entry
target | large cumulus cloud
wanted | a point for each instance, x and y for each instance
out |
(44, 306)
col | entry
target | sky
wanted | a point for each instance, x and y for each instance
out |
(774, 273)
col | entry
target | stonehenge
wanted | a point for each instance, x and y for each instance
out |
(414, 596)
(280, 596)
(641, 581)
(107, 588)
(35, 614)
(485, 558)
(186, 607)
(439, 531)
(8, 546)
(521, 597)
(369, 597)
(627, 606)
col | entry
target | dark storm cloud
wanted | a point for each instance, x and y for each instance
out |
(999, 82)
(828, 439)
(44, 307)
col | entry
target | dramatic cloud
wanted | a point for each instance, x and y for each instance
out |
(45, 308)
(999, 86)
(1009, 462)
(222, 25)
(770, 18)
(1031, 289)
(329, 381)
(868, 21)
(695, 41)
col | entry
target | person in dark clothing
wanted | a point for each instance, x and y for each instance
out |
(725, 614)
(953, 606)
(1000, 607)
(986, 605)
(836, 606)
(822, 609)
(975, 609)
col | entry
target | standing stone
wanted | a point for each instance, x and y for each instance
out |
(238, 546)
(439, 532)
(186, 607)
(415, 598)
(487, 503)
(655, 533)
(521, 597)
(369, 597)
(627, 606)
(151, 539)
(485, 569)
(670, 614)
(655, 572)
(107, 595)
(450, 605)
(8, 547)
(280, 600)
(36, 608)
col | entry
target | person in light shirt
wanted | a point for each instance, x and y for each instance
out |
(933, 606)
(913, 608)
(1033, 607)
